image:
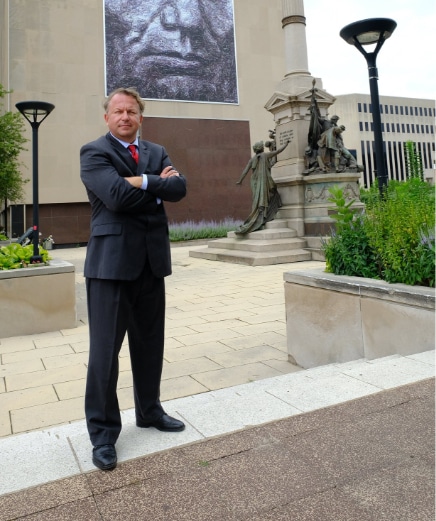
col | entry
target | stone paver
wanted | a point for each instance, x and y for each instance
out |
(225, 326)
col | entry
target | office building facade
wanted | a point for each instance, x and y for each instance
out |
(403, 119)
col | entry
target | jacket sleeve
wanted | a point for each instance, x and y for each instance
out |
(170, 189)
(104, 182)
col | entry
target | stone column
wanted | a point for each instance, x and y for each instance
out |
(304, 198)
(294, 26)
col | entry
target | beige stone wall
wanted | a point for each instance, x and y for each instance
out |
(36, 300)
(55, 53)
(335, 319)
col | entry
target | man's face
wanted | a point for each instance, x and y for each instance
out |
(172, 49)
(123, 117)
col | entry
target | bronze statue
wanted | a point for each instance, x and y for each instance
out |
(332, 154)
(266, 199)
(326, 151)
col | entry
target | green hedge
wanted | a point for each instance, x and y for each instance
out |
(393, 239)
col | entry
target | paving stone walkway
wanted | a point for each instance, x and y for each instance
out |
(265, 440)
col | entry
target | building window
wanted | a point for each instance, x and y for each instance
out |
(401, 110)
(365, 168)
(407, 110)
(424, 155)
(389, 159)
(420, 111)
(398, 128)
(408, 128)
(360, 126)
(366, 126)
(413, 128)
(359, 107)
(365, 108)
(402, 128)
(396, 109)
(392, 109)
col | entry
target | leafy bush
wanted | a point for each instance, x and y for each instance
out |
(348, 252)
(14, 256)
(392, 240)
(191, 230)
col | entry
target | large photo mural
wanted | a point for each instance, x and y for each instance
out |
(180, 50)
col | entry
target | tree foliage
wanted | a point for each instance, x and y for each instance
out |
(11, 144)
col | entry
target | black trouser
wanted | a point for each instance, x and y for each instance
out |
(115, 307)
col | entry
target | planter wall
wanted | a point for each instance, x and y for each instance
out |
(37, 300)
(332, 318)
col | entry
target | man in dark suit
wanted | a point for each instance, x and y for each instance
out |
(128, 256)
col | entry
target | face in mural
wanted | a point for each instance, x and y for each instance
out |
(172, 49)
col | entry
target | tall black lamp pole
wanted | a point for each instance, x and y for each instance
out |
(368, 32)
(35, 112)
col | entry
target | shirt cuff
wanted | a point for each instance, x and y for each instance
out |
(144, 186)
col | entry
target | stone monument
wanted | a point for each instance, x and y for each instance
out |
(304, 170)
(298, 106)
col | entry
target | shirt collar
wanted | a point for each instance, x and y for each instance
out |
(124, 143)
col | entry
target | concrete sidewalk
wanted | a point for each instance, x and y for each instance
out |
(225, 371)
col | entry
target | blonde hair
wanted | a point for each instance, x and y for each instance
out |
(128, 91)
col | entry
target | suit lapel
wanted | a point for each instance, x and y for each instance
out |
(144, 157)
(124, 153)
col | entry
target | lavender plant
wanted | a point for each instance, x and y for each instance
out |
(191, 230)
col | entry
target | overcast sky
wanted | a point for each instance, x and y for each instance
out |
(406, 63)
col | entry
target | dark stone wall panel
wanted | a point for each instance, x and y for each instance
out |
(211, 154)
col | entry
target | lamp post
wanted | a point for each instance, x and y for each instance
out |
(368, 32)
(35, 112)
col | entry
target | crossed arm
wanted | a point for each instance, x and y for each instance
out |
(137, 181)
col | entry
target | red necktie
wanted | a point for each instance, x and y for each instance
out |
(134, 152)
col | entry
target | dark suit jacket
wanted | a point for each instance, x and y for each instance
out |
(127, 224)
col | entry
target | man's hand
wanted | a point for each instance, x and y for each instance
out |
(169, 171)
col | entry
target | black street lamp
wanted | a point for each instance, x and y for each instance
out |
(35, 112)
(368, 32)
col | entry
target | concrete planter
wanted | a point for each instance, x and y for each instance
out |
(37, 300)
(332, 318)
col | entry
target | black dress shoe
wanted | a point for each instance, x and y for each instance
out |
(164, 423)
(104, 457)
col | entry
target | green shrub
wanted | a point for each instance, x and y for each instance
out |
(400, 228)
(392, 240)
(348, 252)
(14, 256)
